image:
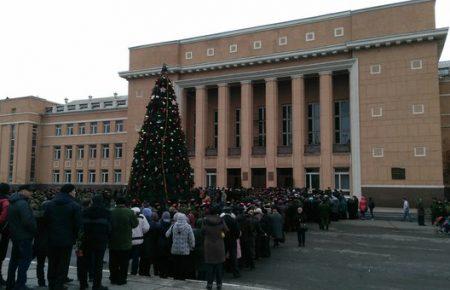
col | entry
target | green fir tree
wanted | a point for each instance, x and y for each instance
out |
(161, 171)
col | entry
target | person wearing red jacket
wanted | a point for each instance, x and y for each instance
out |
(363, 207)
(4, 232)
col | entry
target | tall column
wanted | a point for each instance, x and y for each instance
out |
(222, 152)
(181, 94)
(246, 131)
(201, 114)
(326, 129)
(298, 129)
(271, 131)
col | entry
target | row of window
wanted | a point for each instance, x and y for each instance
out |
(92, 151)
(415, 64)
(416, 109)
(91, 176)
(85, 106)
(93, 128)
(257, 44)
(378, 152)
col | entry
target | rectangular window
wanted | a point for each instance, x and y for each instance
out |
(69, 129)
(310, 36)
(377, 112)
(119, 126)
(58, 130)
(71, 108)
(106, 127)
(83, 106)
(92, 151)
(257, 44)
(117, 176)
(341, 122)
(233, 48)
(287, 125)
(57, 152)
(420, 151)
(12, 145)
(104, 176)
(377, 152)
(312, 178)
(80, 152)
(188, 55)
(262, 126)
(81, 128)
(108, 104)
(314, 124)
(121, 103)
(342, 179)
(105, 151)
(94, 128)
(68, 176)
(118, 151)
(55, 176)
(216, 129)
(60, 109)
(33, 153)
(91, 176)
(418, 109)
(398, 173)
(210, 52)
(237, 129)
(211, 178)
(95, 105)
(79, 176)
(282, 40)
(416, 64)
(69, 152)
(339, 32)
(375, 69)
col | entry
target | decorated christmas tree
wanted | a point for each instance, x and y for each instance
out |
(161, 171)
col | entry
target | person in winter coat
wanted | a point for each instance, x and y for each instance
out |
(63, 219)
(4, 232)
(183, 241)
(40, 246)
(22, 226)
(301, 227)
(363, 207)
(164, 246)
(371, 205)
(150, 247)
(324, 214)
(277, 227)
(138, 239)
(94, 240)
(231, 237)
(123, 220)
(214, 230)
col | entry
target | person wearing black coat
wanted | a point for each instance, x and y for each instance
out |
(150, 248)
(95, 235)
(40, 246)
(231, 237)
(164, 245)
(63, 219)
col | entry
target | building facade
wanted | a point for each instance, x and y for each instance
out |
(351, 100)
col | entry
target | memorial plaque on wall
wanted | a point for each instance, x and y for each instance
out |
(271, 175)
(245, 176)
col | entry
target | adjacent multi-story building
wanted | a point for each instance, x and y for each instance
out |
(355, 100)
(82, 142)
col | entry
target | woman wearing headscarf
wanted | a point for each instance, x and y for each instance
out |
(164, 244)
(183, 242)
(214, 229)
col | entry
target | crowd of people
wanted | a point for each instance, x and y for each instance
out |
(210, 231)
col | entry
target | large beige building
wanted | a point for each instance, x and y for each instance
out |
(351, 100)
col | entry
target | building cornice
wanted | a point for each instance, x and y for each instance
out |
(279, 25)
(384, 41)
(272, 73)
(84, 121)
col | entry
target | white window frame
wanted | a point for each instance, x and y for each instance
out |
(91, 176)
(119, 126)
(104, 176)
(309, 176)
(93, 127)
(257, 44)
(377, 112)
(80, 152)
(67, 176)
(80, 176)
(416, 64)
(378, 152)
(282, 40)
(375, 69)
(118, 148)
(58, 130)
(340, 173)
(418, 109)
(68, 154)
(310, 36)
(56, 178)
(339, 32)
(188, 55)
(105, 151)
(82, 128)
(106, 127)
(57, 153)
(209, 178)
(286, 119)
(420, 151)
(210, 51)
(117, 176)
(92, 151)
(69, 129)
(233, 48)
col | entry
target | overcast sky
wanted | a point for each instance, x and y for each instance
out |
(60, 48)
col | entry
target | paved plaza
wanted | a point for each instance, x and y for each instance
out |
(351, 255)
